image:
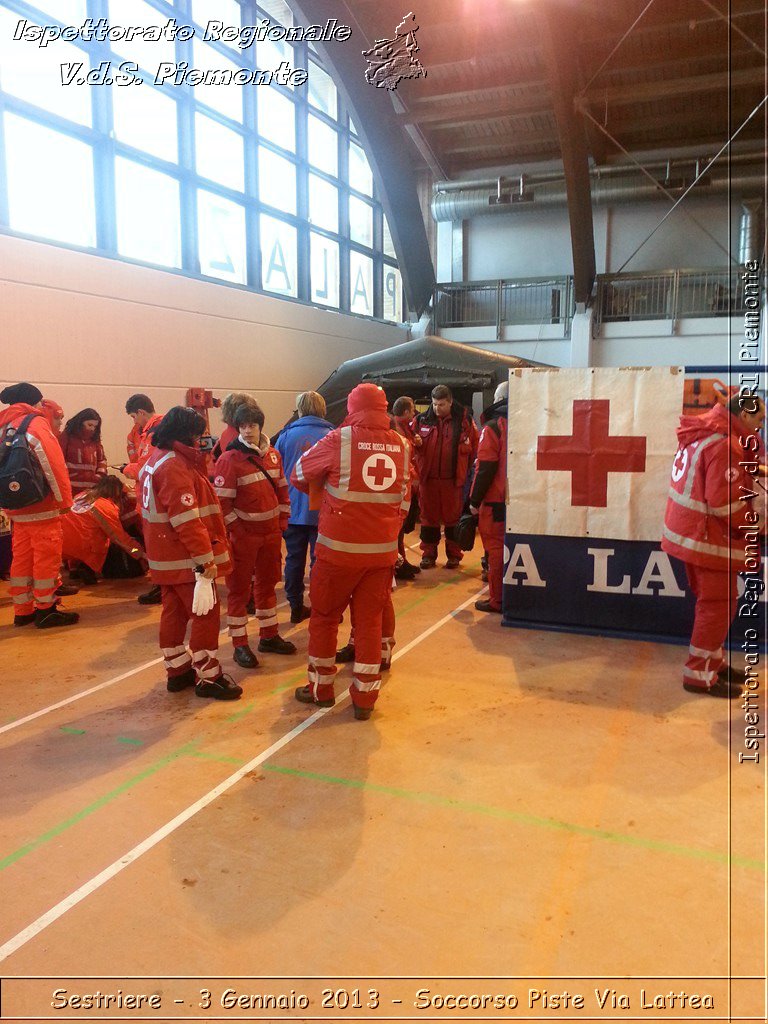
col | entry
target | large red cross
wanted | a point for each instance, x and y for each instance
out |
(380, 472)
(589, 454)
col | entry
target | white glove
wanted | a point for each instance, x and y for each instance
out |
(204, 597)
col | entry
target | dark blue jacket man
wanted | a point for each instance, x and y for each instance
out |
(295, 439)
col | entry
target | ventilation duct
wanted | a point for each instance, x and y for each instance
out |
(464, 203)
(750, 234)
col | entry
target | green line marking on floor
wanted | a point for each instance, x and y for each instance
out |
(132, 742)
(71, 730)
(201, 755)
(245, 710)
(657, 845)
(153, 769)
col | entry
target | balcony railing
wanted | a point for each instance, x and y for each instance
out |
(498, 304)
(669, 295)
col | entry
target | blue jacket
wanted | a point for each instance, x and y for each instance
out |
(295, 439)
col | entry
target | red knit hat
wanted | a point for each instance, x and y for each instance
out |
(366, 396)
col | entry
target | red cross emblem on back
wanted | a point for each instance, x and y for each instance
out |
(379, 472)
(589, 454)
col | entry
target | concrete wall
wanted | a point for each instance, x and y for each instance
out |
(536, 242)
(90, 331)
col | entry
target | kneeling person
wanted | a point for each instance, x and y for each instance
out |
(254, 498)
(93, 523)
(184, 534)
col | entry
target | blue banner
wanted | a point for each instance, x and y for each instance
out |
(612, 588)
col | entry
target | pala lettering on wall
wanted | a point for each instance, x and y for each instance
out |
(589, 459)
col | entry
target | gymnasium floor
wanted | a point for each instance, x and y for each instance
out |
(542, 813)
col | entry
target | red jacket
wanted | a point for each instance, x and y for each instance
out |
(183, 524)
(44, 444)
(715, 508)
(86, 461)
(143, 447)
(448, 447)
(252, 488)
(489, 483)
(364, 469)
(89, 527)
(132, 442)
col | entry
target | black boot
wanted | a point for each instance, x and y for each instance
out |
(49, 618)
(222, 688)
(276, 645)
(66, 590)
(300, 612)
(345, 655)
(175, 684)
(244, 657)
(24, 620)
(153, 596)
(303, 695)
(362, 714)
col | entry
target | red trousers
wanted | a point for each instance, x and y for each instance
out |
(366, 590)
(440, 503)
(35, 564)
(492, 536)
(203, 637)
(253, 555)
(387, 631)
(716, 597)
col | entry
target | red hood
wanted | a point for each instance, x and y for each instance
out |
(374, 418)
(18, 411)
(717, 421)
(193, 456)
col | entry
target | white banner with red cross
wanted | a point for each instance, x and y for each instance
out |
(590, 450)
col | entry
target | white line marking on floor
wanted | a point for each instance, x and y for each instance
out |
(93, 689)
(85, 890)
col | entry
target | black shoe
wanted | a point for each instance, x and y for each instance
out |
(719, 688)
(276, 645)
(734, 674)
(24, 620)
(49, 618)
(406, 571)
(222, 688)
(299, 613)
(66, 590)
(486, 606)
(385, 666)
(85, 574)
(175, 684)
(427, 563)
(345, 655)
(251, 607)
(362, 714)
(244, 657)
(153, 596)
(303, 694)
(453, 563)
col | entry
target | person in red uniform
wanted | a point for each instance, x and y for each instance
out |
(93, 523)
(139, 441)
(37, 527)
(487, 498)
(54, 414)
(403, 414)
(363, 471)
(449, 445)
(184, 534)
(254, 499)
(710, 525)
(229, 407)
(139, 444)
(83, 450)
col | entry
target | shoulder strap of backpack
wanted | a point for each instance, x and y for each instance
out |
(22, 427)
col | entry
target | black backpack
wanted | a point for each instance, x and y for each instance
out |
(22, 480)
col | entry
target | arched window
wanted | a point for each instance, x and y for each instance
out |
(125, 129)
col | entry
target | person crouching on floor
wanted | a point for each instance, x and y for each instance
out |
(92, 524)
(184, 534)
(254, 498)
